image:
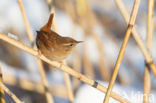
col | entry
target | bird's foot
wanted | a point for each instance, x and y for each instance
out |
(39, 53)
(61, 63)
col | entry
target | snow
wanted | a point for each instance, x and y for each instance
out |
(88, 94)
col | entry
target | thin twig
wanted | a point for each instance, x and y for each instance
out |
(77, 65)
(69, 87)
(122, 50)
(26, 22)
(39, 62)
(63, 67)
(85, 14)
(33, 86)
(48, 95)
(144, 49)
(76, 62)
(147, 72)
(104, 70)
(88, 67)
(10, 93)
(2, 98)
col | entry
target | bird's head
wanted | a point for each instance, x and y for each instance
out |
(68, 44)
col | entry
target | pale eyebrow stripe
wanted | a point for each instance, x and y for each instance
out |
(68, 44)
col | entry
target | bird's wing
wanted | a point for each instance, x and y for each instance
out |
(44, 39)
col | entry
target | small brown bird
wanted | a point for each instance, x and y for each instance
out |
(52, 45)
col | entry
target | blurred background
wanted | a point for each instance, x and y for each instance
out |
(99, 24)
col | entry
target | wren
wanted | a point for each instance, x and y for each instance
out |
(52, 45)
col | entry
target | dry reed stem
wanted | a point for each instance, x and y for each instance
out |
(144, 49)
(85, 11)
(63, 67)
(2, 95)
(103, 65)
(150, 24)
(104, 70)
(77, 65)
(26, 22)
(49, 1)
(33, 86)
(70, 9)
(122, 49)
(147, 72)
(69, 87)
(39, 62)
(67, 77)
(82, 7)
(48, 95)
(10, 93)
(147, 85)
(122, 80)
(88, 67)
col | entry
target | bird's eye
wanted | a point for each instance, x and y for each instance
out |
(71, 45)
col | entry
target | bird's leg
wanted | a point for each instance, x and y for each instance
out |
(62, 62)
(39, 53)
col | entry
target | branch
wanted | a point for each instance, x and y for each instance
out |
(63, 67)
(122, 49)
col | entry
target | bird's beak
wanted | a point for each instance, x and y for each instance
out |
(79, 41)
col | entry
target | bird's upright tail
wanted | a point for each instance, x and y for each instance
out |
(49, 24)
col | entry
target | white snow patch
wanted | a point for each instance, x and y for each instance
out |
(88, 94)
